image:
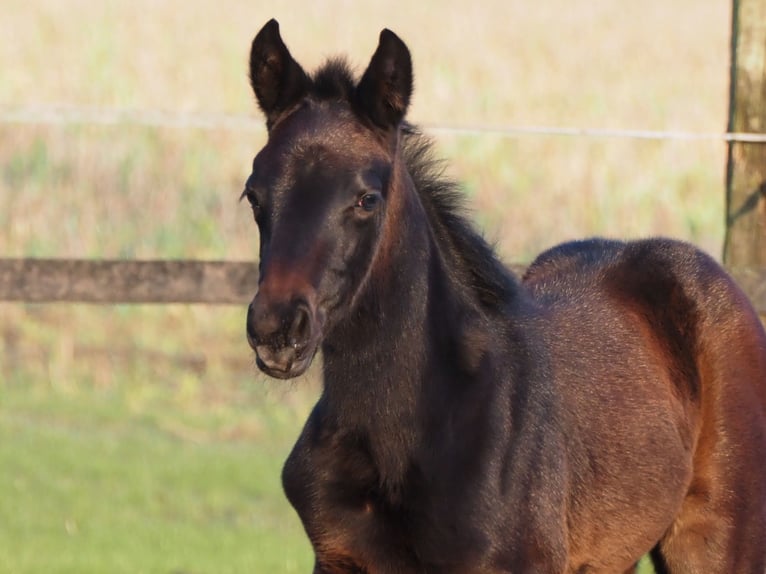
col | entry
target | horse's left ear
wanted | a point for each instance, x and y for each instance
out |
(384, 91)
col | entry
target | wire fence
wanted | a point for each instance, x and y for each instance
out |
(84, 281)
(79, 115)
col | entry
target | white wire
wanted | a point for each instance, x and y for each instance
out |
(510, 131)
(72, 115)
(69, 115)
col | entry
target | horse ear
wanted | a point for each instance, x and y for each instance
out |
(277, 79)
(384, 91)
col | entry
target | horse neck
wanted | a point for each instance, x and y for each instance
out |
(384, 329)
(375, 362)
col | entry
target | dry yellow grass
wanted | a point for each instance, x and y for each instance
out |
(651, 65)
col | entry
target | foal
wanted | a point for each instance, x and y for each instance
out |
(610, 404)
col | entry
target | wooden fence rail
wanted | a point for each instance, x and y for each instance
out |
(209, 282)
(99, 281)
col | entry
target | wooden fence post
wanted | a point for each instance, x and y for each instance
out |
(745, 244)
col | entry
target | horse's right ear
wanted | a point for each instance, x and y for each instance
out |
(277, 79)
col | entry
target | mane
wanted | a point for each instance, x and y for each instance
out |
(444, 202)
(476, 262)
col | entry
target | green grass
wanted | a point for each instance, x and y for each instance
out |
(92, 484)
(123, 449)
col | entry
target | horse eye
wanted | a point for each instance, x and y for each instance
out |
(369, 201)
(253, 201)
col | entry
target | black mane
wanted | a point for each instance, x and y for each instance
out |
(444, 202)
(476, 260)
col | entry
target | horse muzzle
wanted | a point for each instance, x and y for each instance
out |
(284, 335)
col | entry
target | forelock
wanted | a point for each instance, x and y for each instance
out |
(334, 80)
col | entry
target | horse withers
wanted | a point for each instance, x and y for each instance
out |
(612, 403)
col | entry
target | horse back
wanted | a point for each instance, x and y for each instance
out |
(701, 323)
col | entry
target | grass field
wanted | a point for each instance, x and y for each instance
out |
(142, 455)
(142, 439)
(90, 485)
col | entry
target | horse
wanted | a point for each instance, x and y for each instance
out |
(609, 404)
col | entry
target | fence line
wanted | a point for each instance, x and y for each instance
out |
(126, 281)
(207, 282)
(103, 281)
(74, 115)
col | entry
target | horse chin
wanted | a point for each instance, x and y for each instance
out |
(294, 369)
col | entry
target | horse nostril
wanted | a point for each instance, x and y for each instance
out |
(264, 324)
(300, 329)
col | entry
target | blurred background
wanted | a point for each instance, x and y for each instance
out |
(142, 438)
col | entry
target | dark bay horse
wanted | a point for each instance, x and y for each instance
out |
(609, 404)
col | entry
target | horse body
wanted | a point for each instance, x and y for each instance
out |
(610, 404)
(701, 408)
